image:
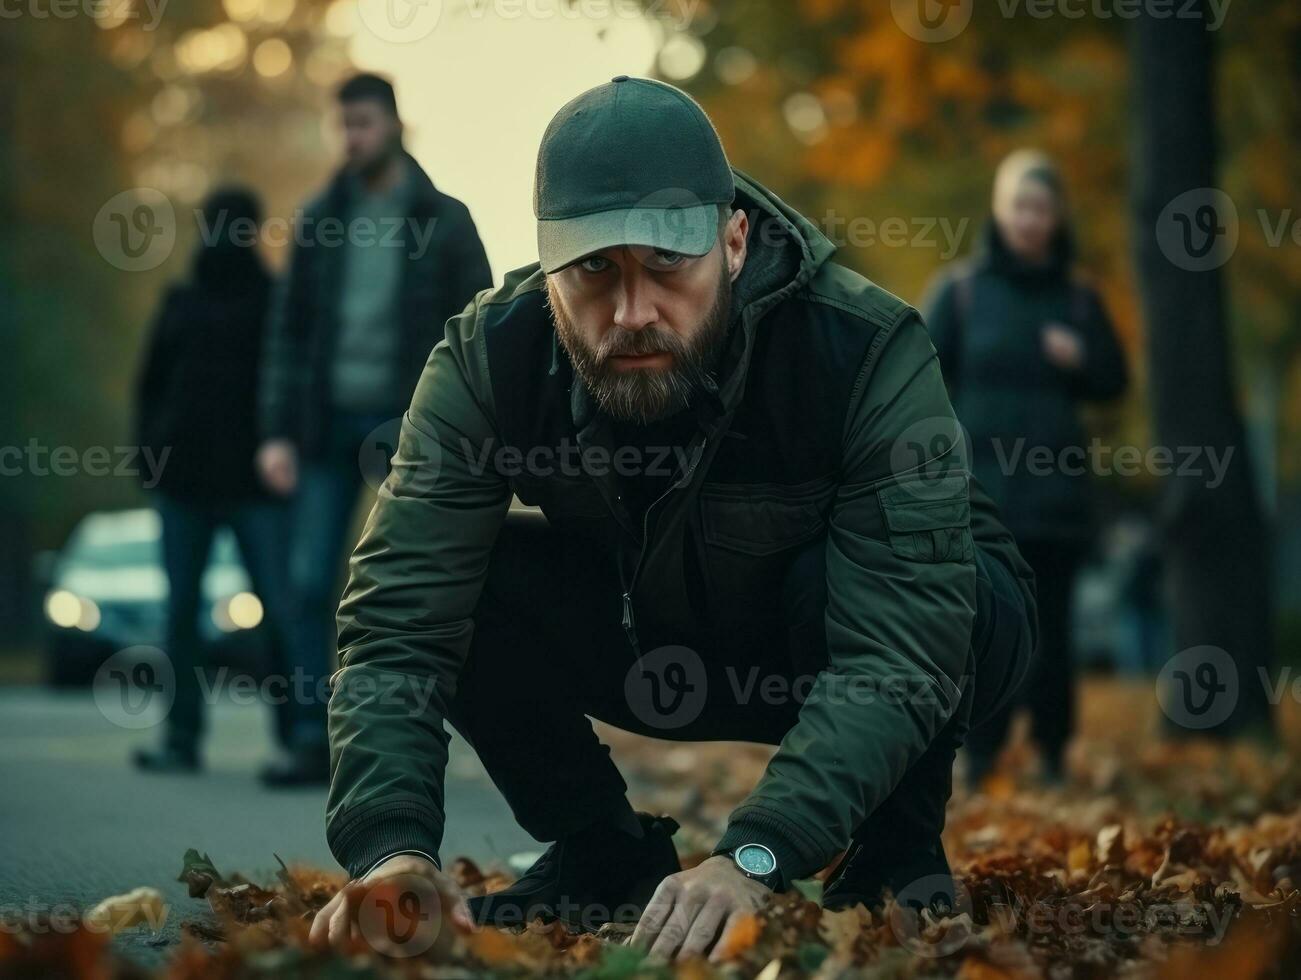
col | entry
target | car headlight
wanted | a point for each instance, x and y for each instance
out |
(242, 611)
(68, 610)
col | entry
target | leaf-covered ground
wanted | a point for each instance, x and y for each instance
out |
(1156, 859)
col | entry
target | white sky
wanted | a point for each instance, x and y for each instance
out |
(478, 84)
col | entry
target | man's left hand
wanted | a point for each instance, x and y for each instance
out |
(1063, 347)
(688, 910)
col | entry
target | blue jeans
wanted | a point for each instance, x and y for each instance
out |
(328, 486)
(261, 531)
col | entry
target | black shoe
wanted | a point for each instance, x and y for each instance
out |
(592, 878)
(166, 758)
(919, 876)
(300, 767)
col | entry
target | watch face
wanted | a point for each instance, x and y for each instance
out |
(756, 859)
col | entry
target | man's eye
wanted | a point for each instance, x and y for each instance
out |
(668, 260)
(594, 263)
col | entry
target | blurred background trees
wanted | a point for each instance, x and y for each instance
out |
(827, 101)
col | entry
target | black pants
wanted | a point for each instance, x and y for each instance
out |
(189, 526)
(549, 650)
(1048, 692)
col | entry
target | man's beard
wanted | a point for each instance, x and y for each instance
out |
(644, 395)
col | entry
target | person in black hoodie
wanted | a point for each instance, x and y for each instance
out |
(1022, 341)
(196, 399)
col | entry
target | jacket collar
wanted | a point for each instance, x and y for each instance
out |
(420, 190)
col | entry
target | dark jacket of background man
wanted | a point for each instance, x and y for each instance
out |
(444, 265)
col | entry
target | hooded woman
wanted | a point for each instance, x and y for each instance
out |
(1022, 342)
(195, 400)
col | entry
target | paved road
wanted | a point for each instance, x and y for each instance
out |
(77, 824)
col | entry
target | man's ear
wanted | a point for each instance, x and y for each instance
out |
(735, 236)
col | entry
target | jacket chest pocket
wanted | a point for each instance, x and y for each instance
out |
(763, 519)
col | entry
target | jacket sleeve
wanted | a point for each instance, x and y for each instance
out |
(901, 587)
(940, 308)
(1103, 375)
(472, 270)
(405, 621)
(156, 367)
(284, 353)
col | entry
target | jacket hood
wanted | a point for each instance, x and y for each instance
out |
(784, 251)
(996, 256)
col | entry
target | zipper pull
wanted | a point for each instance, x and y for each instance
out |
(630, 625)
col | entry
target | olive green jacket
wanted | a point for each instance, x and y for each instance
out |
(829, 418)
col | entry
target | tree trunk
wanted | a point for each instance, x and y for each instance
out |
(1217, 560)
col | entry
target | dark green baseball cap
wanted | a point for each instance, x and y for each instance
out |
(631, 162)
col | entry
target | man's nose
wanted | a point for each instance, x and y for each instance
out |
(634, 307)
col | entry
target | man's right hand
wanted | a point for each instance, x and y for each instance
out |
(402, 907)
(277, 464)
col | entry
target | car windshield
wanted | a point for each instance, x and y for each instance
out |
(133, 538)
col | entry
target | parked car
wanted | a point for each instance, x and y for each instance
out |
(106, 590)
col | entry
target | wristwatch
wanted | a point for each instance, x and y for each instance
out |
(759, 863)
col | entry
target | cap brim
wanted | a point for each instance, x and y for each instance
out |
(688, 231)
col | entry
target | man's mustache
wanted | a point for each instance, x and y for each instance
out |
(649, 340)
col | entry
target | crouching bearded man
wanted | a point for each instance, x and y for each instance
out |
(756, 524)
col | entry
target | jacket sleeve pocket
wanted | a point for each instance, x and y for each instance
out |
(929, 518)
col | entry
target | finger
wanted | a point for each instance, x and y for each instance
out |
(319, 934)
(656, 914)
(733, 920)
(705, 927)
(341, 920)
(451, 898)
(676, 928)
